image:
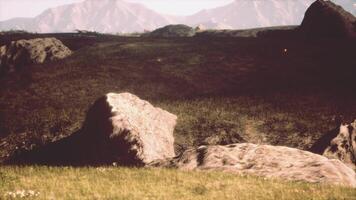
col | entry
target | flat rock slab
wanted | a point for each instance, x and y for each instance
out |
(264, 160)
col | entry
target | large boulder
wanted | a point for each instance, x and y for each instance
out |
(339, 144)
(179, 30)
(264, 160)
(326, 19)
(131, 130)
(119, 128)
(34, 51)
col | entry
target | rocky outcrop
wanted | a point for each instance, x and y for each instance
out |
(264, 160)
(339, 144)
(19, 53)
(178, 30)
(326, 19)
(132, 130)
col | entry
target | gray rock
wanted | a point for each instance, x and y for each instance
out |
(134, 132)
(264, 160)
(19, 53)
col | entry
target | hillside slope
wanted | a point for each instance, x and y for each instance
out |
(242, 14)
(222, 90)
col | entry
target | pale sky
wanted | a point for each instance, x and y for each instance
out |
(31, 8)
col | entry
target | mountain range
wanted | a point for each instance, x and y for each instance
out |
(113, 16)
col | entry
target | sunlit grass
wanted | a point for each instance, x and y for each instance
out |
(132, 183)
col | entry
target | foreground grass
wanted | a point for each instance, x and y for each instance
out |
(125, 183)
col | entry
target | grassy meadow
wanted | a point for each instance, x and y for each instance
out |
(223, 90)
(123, 183)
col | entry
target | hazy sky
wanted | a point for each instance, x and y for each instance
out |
(30, 8)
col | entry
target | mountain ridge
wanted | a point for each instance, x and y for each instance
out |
(113, 16)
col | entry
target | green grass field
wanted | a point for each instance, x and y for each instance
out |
(221, 89)
(125, 183)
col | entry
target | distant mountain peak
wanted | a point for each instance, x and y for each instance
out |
(112, 16)
(103, 16)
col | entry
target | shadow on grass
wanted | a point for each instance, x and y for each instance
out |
(321, 144)
(91, 146)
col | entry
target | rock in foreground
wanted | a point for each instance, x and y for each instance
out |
(131, 130)
(264, 160)
(326, 19)
(119, 128)
(35, 51)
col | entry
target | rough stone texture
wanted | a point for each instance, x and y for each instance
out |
(326, 19)
(34, 51)
(135, 131)
(339, 144)
(264, 160)
(178, 30)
